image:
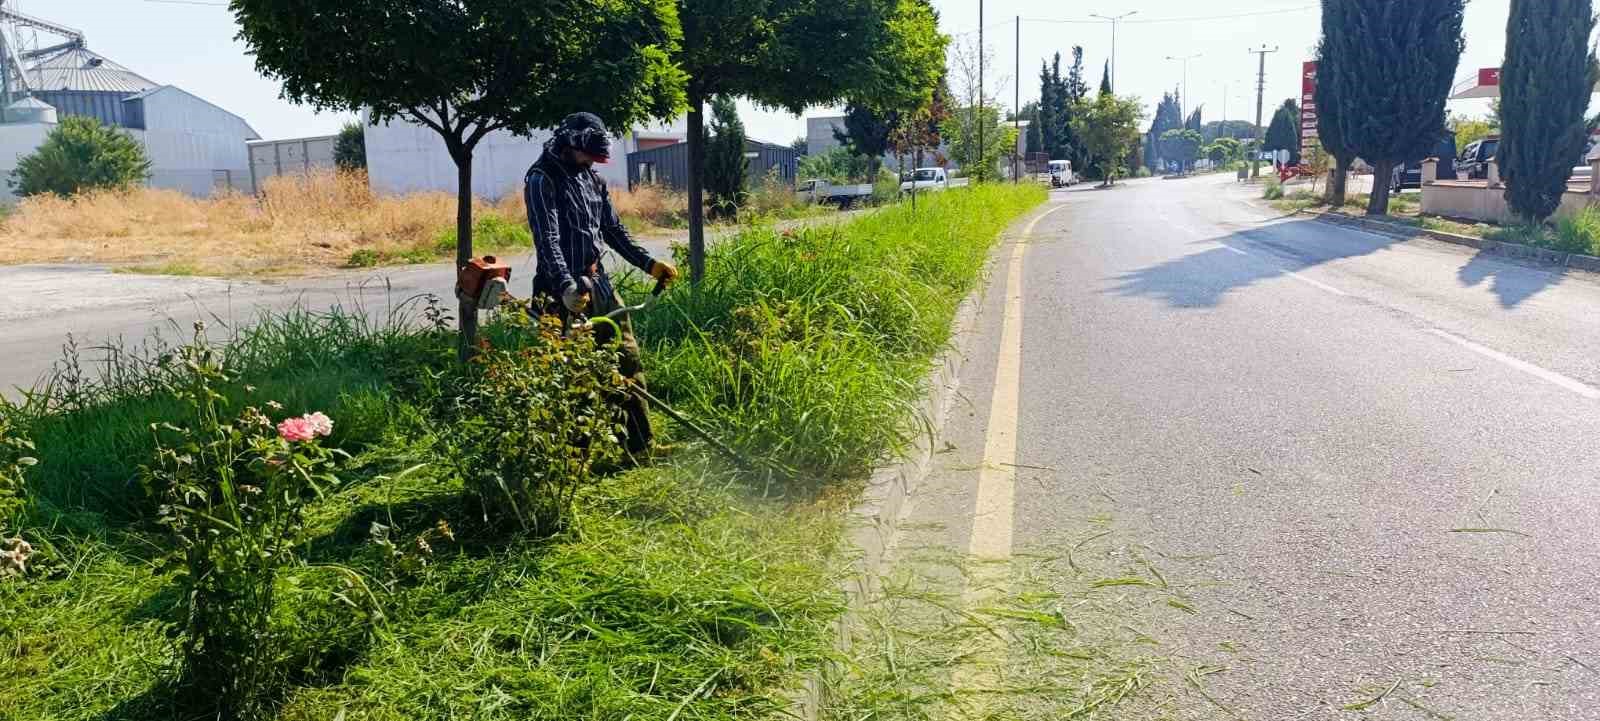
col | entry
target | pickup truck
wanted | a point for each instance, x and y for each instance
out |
(822, 191)
(925, 179)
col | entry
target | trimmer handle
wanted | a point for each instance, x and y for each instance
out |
(661, 287)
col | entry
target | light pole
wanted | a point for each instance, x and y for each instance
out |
(1183, 103)
(1114, 21)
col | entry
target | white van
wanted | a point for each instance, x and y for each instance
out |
(1061, 174)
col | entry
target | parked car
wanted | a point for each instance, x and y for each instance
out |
(1409, 174)
(925, 179)
(822, 191)
(1061, 174)
(1474, 159)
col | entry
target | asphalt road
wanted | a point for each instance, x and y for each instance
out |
(1350, 467)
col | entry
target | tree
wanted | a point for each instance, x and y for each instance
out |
(1398, 62)
(1470, 130)
(1057, 96)
(1236, 129)
(1549, 72)
(350, 149)
(917, 131)
(725, 161)
(1105, 79)
(1182, 145)
(1331, 118)
(1076, 89)
(467, 68)
(835, 165)
(1050, 89)
(1169, 116)
(1284, 132)
(80, 154)
(1194, 122)
(866, 132)
(800, 144)
(791, 54)
(981, 164)
(1223, 150)
(1315, 162)
(1109, 128)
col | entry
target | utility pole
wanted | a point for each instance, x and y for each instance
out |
(1114, 21)
(1016, 106)
(1261, 89)
(978, 119)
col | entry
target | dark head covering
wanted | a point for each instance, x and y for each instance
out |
(586, 132)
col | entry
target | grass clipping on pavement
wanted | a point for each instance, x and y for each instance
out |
(683, 591)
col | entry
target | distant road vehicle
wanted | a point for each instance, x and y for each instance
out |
(923, 179)
(822, 191)
(1409, 174)
(1061, 174)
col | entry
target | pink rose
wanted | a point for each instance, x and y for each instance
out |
(295, 430)
(320, 424)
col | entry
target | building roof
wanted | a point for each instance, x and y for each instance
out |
(81, 69)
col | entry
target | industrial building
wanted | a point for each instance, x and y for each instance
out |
(194, 146)
(668, 165)
(405, 157)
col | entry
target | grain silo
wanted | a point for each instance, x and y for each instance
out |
(193, 145)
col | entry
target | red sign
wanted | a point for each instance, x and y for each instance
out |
(1488, 76)
(1308, 107)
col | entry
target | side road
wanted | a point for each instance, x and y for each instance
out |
(41, 304)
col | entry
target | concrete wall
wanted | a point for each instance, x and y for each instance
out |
(16, 141)
(195, 147)
(1475, 201)
(819, 133)
(270, 158)
(404, 157)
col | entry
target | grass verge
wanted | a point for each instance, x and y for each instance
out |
(685, 590)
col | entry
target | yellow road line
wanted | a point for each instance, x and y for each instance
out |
(997, 477)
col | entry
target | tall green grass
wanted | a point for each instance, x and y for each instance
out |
(806, 348)
(1579, 233)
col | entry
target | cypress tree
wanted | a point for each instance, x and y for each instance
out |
(1332, 72)
(1284, 132)
(1046, 121)
(1406, 53)
(1105, 79)
(1544, 92)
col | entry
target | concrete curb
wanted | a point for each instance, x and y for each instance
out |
(874, 522)
(1574, 261)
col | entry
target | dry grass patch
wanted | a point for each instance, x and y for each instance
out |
(318, 221)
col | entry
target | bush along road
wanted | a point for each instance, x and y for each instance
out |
(323, 516)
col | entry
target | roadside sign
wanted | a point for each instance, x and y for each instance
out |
(1308, 107)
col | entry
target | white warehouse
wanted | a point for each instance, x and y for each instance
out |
(194, 146)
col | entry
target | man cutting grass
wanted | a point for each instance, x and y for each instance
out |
(570, 214)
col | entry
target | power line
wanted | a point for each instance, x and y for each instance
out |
(1202, 18)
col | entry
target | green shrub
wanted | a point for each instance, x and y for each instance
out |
(1272, 190)
(350, 149)
(16, 456)
(886, 189)
(364, 258)
(533, 421)
(837, 165)
(1579, 233)
(1534, 235)
(234, 489)
(81, 154)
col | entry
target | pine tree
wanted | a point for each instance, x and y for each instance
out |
(1395, 64)
(1076, 88)
(725, 161)
(1544, 91)
(1194, 123)
(1169, 116)
(1048, 108)
(1105, 79)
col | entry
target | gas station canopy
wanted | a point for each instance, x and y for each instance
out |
(1485, 85)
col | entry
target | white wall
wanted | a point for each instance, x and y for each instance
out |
(819, 133)
(288, 157)
(189, 140)
(17, 141)
(405, 157)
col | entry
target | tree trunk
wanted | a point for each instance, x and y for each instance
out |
(697, 220)
(1336, 180)
(1382, 170)
(469, 310)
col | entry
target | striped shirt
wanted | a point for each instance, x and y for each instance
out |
(570, 214)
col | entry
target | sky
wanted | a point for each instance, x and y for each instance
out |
(190, 44)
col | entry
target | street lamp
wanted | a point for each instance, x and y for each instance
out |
(1183, 103)
(1114, 21)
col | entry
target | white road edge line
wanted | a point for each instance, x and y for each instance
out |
(1548, 376)
(994, 512)
(1292, 274)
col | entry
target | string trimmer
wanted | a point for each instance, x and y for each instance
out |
(581, 323)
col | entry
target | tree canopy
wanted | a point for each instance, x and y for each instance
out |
(1284, 131)
(1181, 145)
(467, 68)
(1549, 72)
(1109, 128)
(81, 154)
(790, 54)
(350, 149)
(725, 161)
(1394, 65)
(1330, 110)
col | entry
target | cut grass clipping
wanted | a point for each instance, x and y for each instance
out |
(674, 592)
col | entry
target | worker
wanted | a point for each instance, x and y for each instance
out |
(570, 214)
